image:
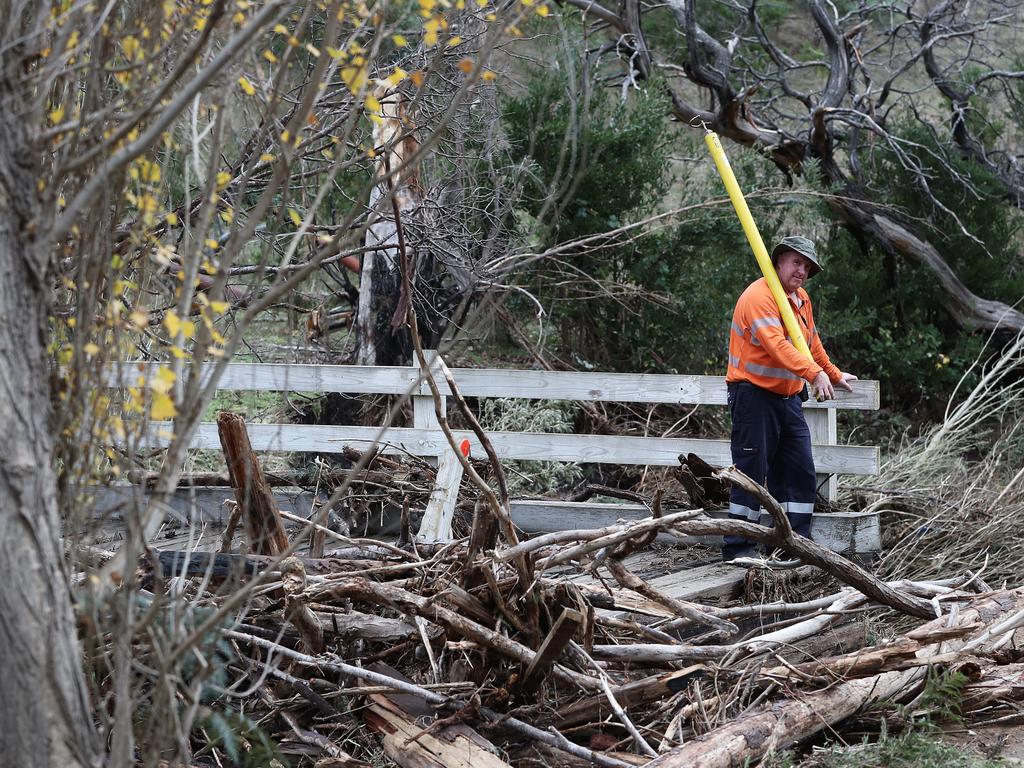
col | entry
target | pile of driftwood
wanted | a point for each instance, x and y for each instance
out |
(491, 650)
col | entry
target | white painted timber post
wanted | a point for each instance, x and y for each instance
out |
(437, 519)
(822, 424)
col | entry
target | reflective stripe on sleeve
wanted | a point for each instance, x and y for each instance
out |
(763, 322)
(773, 373)
(734, 361)
(738, 510)
(737, 330)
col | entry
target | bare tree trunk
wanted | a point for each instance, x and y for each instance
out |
(379, 288)
(45, 718)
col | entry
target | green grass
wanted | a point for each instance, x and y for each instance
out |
(913, 749)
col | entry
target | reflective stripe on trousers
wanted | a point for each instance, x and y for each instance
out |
(771, 444)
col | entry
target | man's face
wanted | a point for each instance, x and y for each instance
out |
(793, 270)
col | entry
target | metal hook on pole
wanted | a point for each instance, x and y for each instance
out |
(696, 121)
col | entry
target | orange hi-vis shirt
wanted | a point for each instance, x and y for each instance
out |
(759, 349)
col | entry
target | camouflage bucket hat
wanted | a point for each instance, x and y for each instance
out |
(804, 247)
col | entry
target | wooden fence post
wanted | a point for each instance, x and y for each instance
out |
(437, 518)
(822, 423)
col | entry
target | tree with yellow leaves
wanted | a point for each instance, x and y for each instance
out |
(148, 149)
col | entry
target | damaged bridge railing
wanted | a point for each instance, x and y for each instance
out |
(425, 439)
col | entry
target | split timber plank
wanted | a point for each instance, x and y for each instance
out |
(561, 633)
(717, 580)
(704, 582)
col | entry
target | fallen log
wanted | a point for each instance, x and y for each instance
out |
(355, 625)
(782, 723)
(220, 565)
(634, 694)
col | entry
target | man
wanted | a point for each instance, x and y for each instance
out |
(766, 380)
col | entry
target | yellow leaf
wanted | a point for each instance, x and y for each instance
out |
(212, 244)
(543, 11)
(163, 381)
(178, 352)
(91, 349)
(227, 216)
(223, 177)
(238, 18)
(313, 50)
(246, 85)
(280, 29)
(172, 219)
(173, 322)
(188, 328)
(466, 65)
(266, 157)
(488, 76)
(220, 307)
(208, 268)
(396, 77)
(399, 40)
(162, 408)
(354, 77)
(269, 56)
(57, 115)
(453, 41)
(334, 53)
(295, 217)
(130, 46)
(417, 78)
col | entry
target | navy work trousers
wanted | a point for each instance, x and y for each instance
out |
(771, 444)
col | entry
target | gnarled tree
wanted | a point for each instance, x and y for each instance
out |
(881, 62)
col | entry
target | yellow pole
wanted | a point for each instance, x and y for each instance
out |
(756, 243)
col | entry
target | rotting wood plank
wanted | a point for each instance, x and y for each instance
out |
(531, 446)
(716, 580)
(255, 498)
(412, 745)
(561, 633)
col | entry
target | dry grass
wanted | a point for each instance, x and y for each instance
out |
(952, 500)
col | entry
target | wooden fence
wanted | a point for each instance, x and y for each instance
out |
(424, 438)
